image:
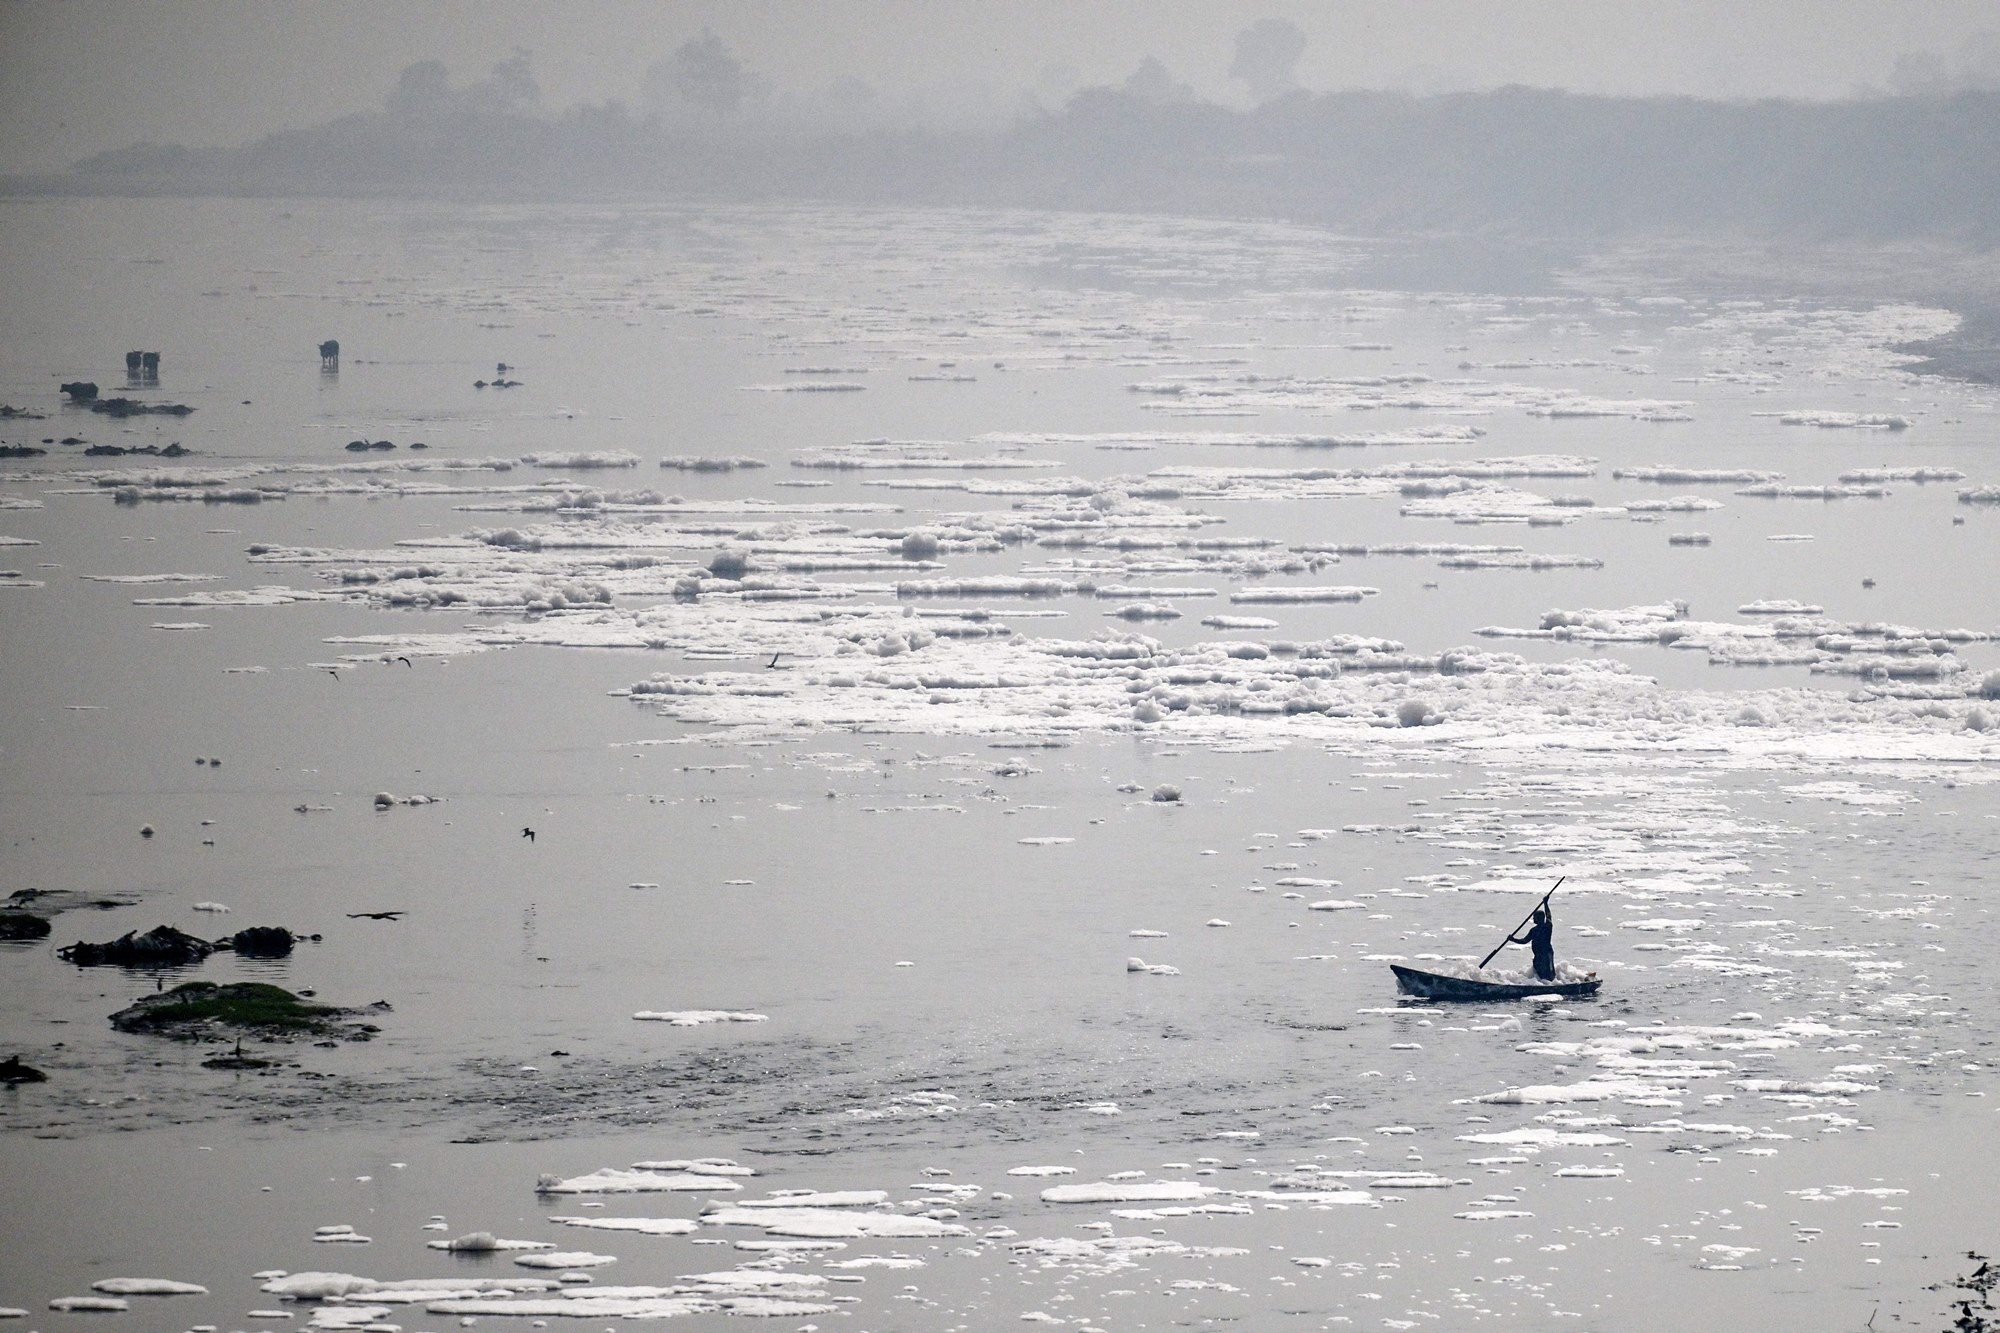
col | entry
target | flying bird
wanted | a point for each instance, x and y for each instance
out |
(407, 662)
(528, 833)
(376, 916)
(773, 662)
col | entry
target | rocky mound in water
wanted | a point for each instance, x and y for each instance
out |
(22, 925)
(164, 946)
(198, 1008)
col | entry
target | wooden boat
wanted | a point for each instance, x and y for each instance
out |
(1433, 986)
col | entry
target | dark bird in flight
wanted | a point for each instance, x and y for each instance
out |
(376, 916)
(407, 662)
(528, 833)
(773, 662)
(331, 671)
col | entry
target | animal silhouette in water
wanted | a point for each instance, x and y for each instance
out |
(132, 362)
(329, 355)
(149, 365)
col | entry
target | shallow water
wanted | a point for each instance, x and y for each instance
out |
(919, 855)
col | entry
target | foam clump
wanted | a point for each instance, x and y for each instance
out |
(687, 1018)
(1772, 491)
(1129, 1191)
(146, 1286)
(565, 1259)
(1534, 1138)
(1921, 475)
(485, 1242)
(1301, 595)
(701, 1166)
(319, 1286)
(710, 463)
(635, 1303)
(1846, 420)
(1416, 713)
(615, 1180)
(1826, 1087)
(831, 1223)
(1685, 476)
(645, 1226)
(611, 458)
(340, 1233)
(818, 1199)
(1596, 1089)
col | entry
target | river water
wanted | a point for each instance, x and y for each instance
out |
(991, 692)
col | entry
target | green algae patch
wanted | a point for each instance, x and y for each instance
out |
(197, 1007)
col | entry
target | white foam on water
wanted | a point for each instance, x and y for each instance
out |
(687, 1018)
(618, 1180)
(645, 1226)
(565, 1259)
(833, 1223)
(818, 1199)
(485, 1242)
(1105, 1191)
(147, 1286)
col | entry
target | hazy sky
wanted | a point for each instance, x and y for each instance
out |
(79, 76)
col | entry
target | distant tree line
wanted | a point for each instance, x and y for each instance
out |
(1512, 160)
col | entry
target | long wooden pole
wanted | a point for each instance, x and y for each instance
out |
(1524, 921)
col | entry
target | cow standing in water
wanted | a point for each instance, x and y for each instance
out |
(132, 361)
(149, 365)
(329, 355)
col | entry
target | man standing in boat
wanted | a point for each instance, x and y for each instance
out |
(1541, 938)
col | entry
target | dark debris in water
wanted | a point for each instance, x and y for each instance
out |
(236, 1060)
(162, 946)
(132, 407)
(12, 1071)
(261, 942)
(151, 450)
